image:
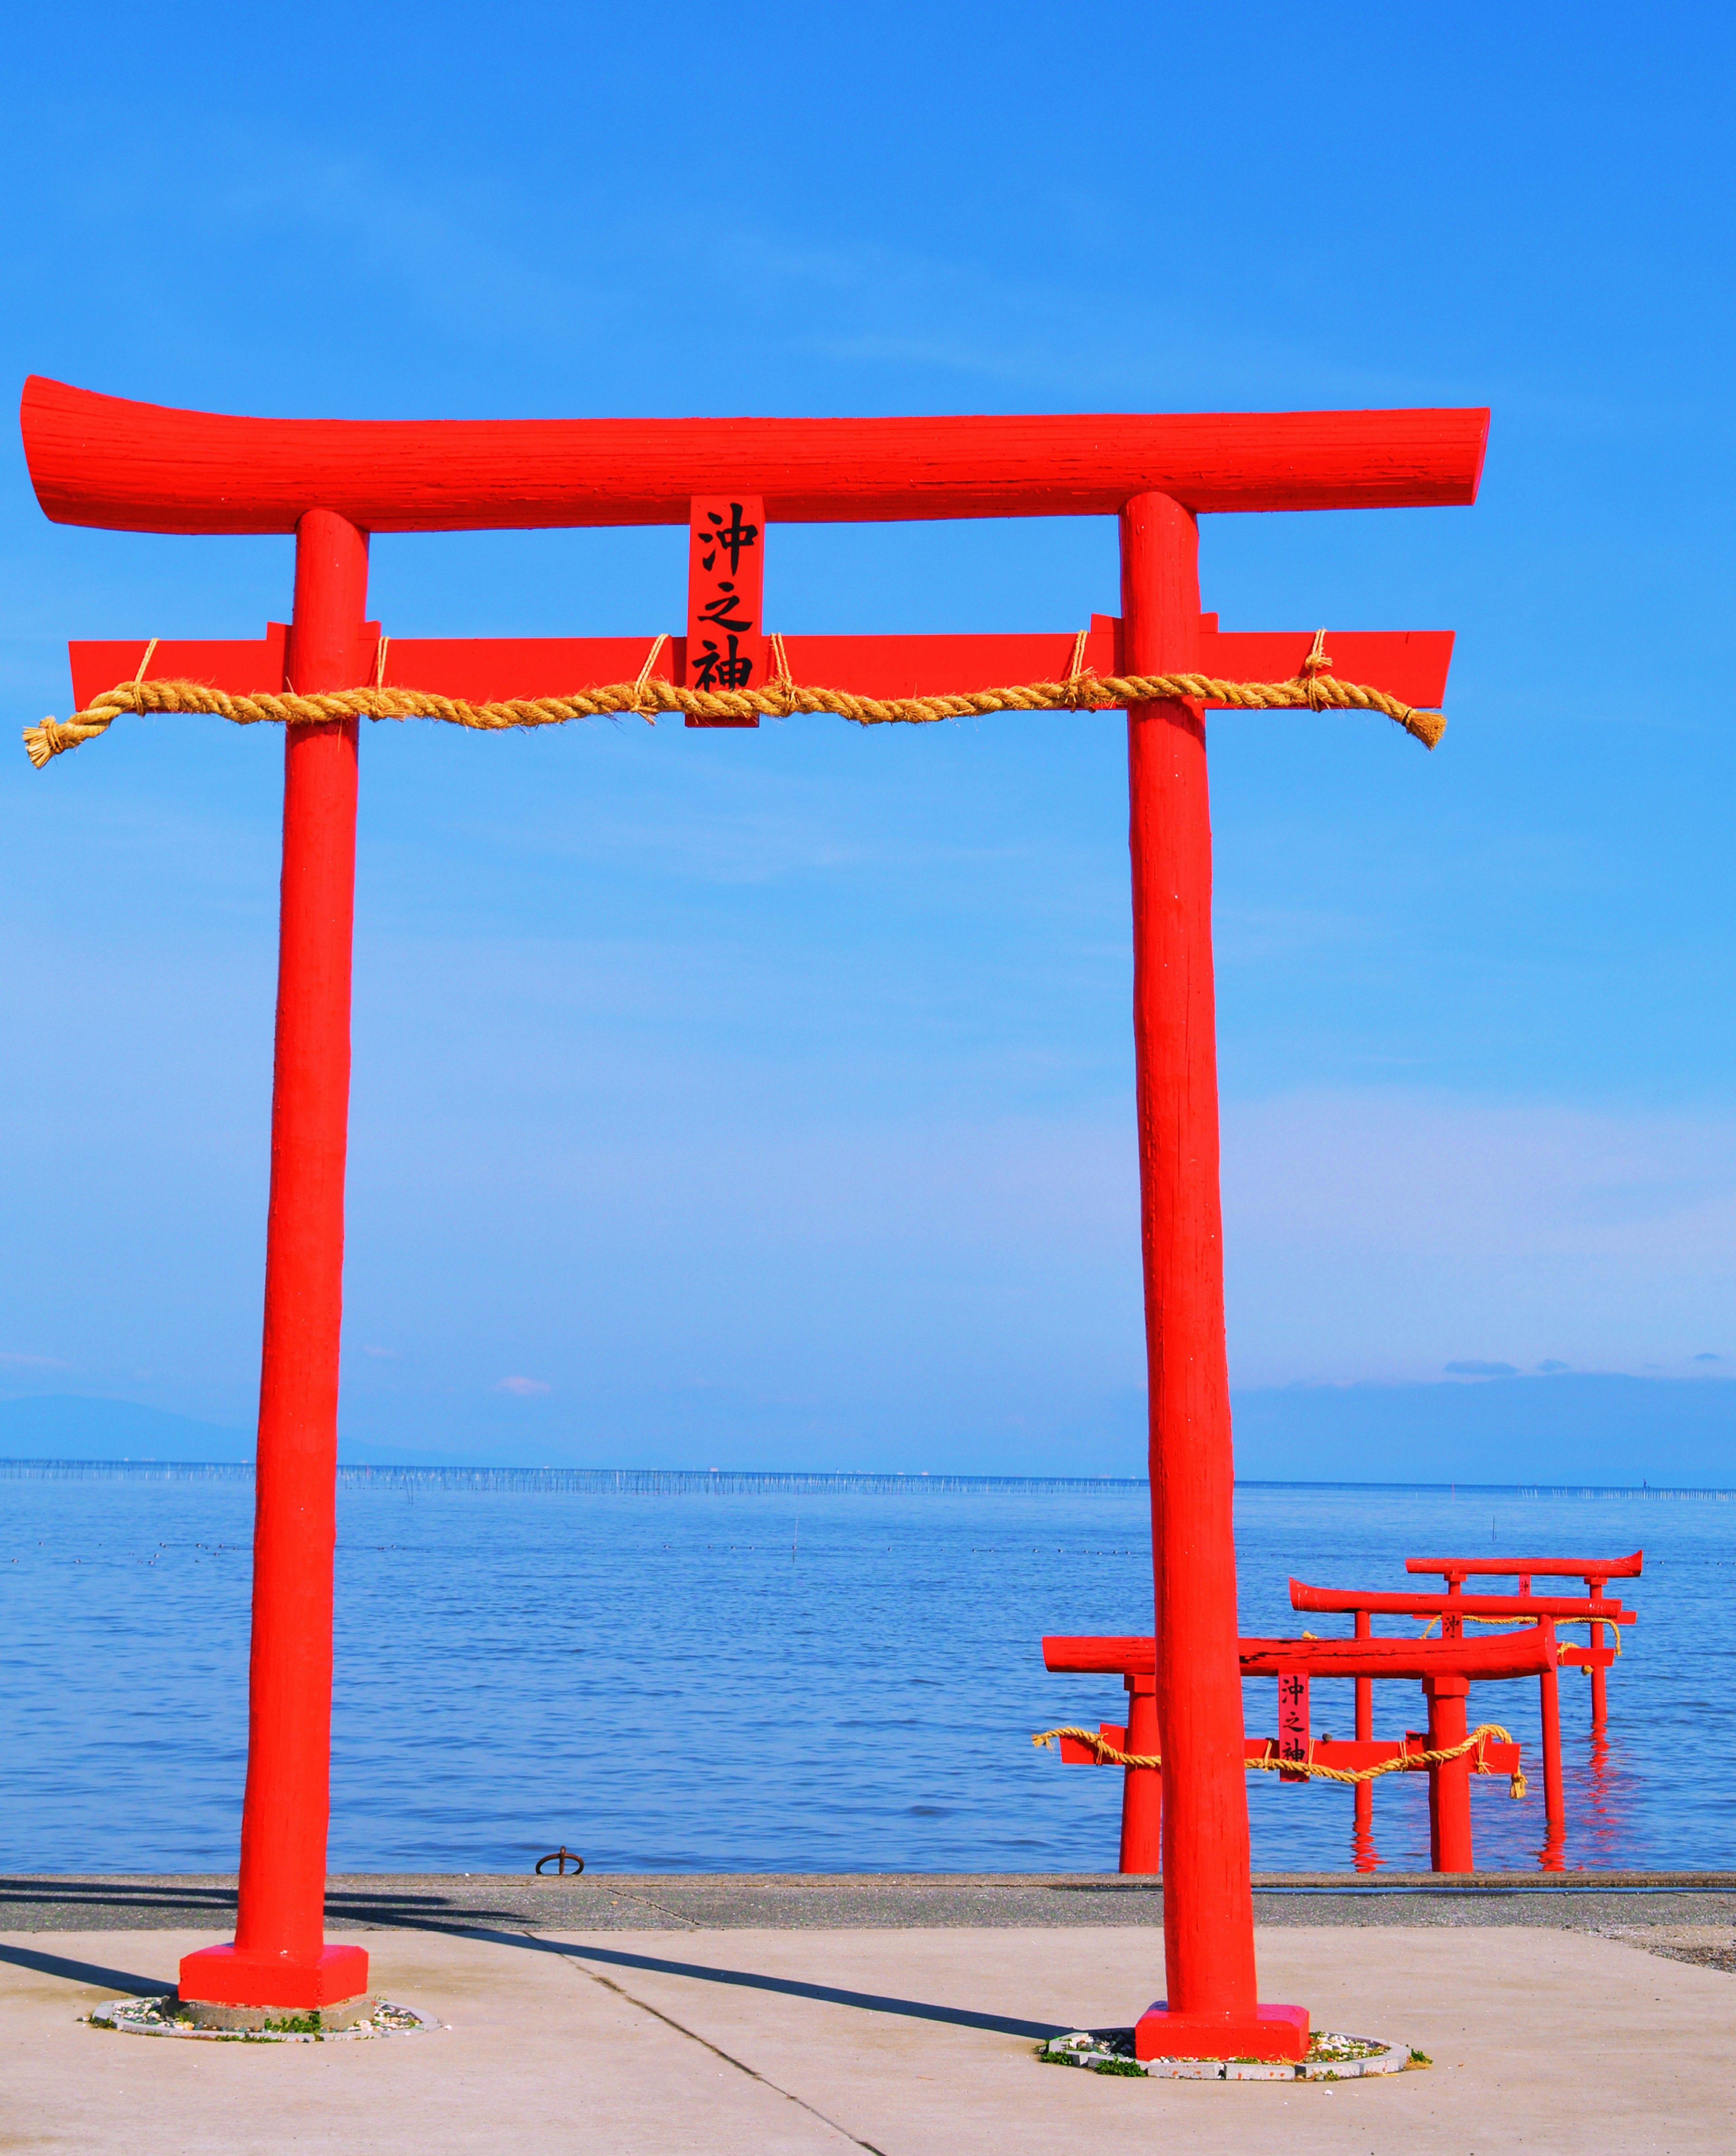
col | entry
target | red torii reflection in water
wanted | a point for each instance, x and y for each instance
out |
(130, 467)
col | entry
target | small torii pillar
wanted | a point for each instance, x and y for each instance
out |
(123, 466)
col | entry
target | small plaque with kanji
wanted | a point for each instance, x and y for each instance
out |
(726, 578)
(1293, 1720)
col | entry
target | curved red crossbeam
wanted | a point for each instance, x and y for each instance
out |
(1501, 1655)
(133, 467)
(1441, 1604)
(1540, 1568)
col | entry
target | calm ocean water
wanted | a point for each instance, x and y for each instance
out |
(777, 1679)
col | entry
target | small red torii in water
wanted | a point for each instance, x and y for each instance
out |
(124, 466)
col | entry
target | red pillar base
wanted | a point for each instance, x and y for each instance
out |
(1268, 2032)
(247, 1976)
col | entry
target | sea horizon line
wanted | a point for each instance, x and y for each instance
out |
(740, 1482)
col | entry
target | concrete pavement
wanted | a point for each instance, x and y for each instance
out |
(908, 2041)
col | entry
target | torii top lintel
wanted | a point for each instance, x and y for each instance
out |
(132, 467)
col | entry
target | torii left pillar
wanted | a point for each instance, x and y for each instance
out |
(279, 1957)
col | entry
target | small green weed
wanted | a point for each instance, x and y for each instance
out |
(297, 2025)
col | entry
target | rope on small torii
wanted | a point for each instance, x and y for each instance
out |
(1313, 689)
(1271, 1762)
(1475, 1617)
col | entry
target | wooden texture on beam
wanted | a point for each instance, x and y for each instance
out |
(132, 467)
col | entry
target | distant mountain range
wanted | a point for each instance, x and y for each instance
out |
(66, 1426)
(63, 1427)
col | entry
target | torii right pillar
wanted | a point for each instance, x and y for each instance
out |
(1212, 2010)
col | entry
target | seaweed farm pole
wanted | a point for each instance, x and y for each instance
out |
(1208, 1899)
(279, 1957)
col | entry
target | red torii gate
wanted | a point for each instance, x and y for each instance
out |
(1596, 1571)
(1445, 1668)
(106, 462)
(1453, 1608)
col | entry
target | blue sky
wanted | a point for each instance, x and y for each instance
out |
(767, 1098)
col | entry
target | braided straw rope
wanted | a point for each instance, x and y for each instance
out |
(1476, 1618)
(1311, 689)
(1485, 1733)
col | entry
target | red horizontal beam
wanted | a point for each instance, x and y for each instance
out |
(1505, 1655)
(1492, 1758)
(1341, 1752)
(132, 467)
(1380, 1603)
(1408, 664)
(1501, 1655)
(1124, 1654)
(1551, 1567)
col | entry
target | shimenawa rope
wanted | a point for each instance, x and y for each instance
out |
(1312, 688)
(1107, 1754)
(1476, 1618)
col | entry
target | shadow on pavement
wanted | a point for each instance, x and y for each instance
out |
(122, 1982)
(867, 2002)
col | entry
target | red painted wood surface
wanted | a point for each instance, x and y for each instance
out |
(1075, 1751)
(1452, 1660)
(1494, 1759)
(1141, 1793)
(1412, 664)
(1142, 1797)
(134, 467)
(1269, 2032)
(1334, 1752)
(486, 669)
(1600, 1679)
(279, 1957)
(1364, 1797)
(1490, 1758)
(1453, 1608)
(1501, 1655)
(1456, 1606)
(1295, 1730)
(1588, 1658)
(1593, 1571)
(1498, 1655)
(1450, 1842)
(726, 641)
(1208, 1904)
(1548, 1688)
(1549, 1567)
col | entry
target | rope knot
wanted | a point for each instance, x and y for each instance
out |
(1313, 667)
(645, 675)
(48, 740)
(781, 683)
(1077, 688)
